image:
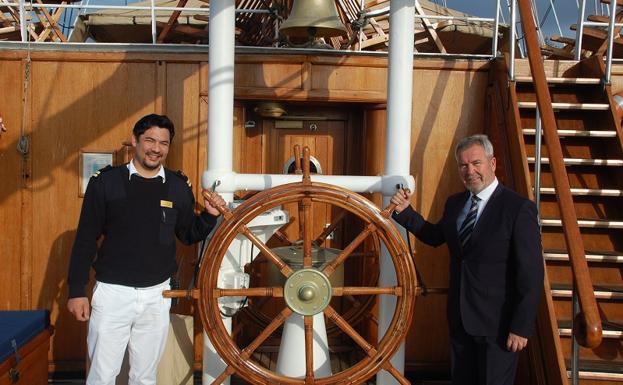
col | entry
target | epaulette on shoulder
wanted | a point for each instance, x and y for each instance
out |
(101, 170)
(184, 177)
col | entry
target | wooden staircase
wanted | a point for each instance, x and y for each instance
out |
(592, 148)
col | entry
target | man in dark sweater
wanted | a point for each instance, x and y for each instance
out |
(136, 210)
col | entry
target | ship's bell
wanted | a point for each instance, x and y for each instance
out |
(313, 18)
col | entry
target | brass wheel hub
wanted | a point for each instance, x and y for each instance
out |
(307, 291)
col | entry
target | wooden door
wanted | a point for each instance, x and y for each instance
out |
(325, 139)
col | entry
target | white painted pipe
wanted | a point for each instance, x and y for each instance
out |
(221, 86)
(220, 127)
(291, 360)
(22, 21)
(398, 147)
(400, 87)
(213, 365)
(220, 137)
(230, 181)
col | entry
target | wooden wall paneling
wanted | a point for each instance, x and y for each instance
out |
(12, 189)
(616, 78)
(306, 76)
(306, 80)
(238, 136)
(182, 106)
(26, 238)
(87, 107)
(375, 122)
(160, 72)
(374, 131)
(202, 156)
(366, 81)
(251, 148)
(355, 131)
(181, 86)
(451, 109)
(202, 161)
(287, 76)
(246, 155)
(553, 68)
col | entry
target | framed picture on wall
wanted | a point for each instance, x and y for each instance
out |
(89, 163)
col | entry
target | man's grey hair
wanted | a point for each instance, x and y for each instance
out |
(480, 139)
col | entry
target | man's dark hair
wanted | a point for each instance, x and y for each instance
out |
(153, 120)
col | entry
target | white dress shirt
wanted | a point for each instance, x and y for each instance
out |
(483, 197)
(133, 170)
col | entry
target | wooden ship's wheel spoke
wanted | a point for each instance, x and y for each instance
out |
(359, 290)
(277, 322)
(309, 349)
(329, 229)
(307, 232)
(331, 267)
(273, 292)
(282, 238)
(363, 344)
(266, 251)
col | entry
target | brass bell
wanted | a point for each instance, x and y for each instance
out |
(313, 18)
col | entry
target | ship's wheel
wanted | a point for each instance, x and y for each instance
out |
(307, 291)
(354, 309)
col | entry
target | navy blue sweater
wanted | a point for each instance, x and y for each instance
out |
(138, 220)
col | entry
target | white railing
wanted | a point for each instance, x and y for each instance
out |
(580, 26)
(27, 16)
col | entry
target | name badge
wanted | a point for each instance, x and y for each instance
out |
(168, 204)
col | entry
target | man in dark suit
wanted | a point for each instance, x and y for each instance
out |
(496, 267)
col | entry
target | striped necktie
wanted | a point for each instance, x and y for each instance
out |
(465, 232)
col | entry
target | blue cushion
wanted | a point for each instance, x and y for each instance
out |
(20, 326)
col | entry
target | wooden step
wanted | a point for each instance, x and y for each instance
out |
(591, 256)
(598, 376)
(569, 106)
(599, 18)
(594, 37)
(619, 2)
(560, 80)
(580, 133)
(562, 39)
(602, 192)
(610, 329)
(583, 162)
(601, 291)
(588, 223)
(598, 370)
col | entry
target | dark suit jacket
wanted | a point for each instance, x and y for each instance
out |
(496, 282)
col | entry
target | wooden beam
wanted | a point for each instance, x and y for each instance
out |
(430, 29)
(186, 30)
(172, 21)
(52, 25)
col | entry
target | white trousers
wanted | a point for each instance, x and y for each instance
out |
(127, 317)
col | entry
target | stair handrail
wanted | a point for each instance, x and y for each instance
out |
(611, 20)
(588, 322)
(579, 31)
